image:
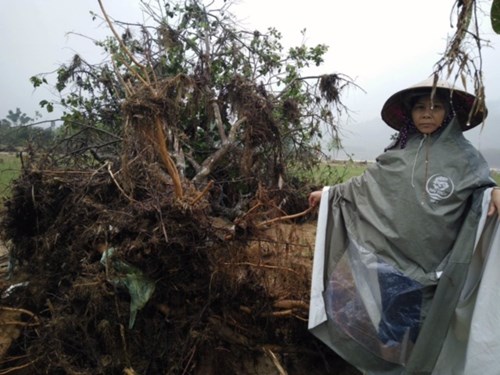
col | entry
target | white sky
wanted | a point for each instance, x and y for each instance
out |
(34, 39)
(384, 45)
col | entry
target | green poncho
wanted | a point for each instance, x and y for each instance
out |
(394, 249)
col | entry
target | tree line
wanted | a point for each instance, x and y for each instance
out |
(18, 131)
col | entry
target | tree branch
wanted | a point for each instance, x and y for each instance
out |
(209, 163)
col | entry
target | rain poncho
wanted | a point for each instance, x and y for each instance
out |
(393, 251)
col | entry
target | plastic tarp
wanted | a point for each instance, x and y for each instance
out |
(472, 345)
(371, 313)
(122, 274)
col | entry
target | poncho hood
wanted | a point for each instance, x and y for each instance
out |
(413, 200)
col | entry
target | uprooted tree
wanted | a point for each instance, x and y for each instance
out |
(145, 240)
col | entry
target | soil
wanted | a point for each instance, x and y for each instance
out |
(246, 337)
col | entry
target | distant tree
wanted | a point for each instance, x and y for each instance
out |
(18, 118)
(18, 130)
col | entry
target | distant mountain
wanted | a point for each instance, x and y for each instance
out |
(366, 140)
(492, 156)
(486, 138)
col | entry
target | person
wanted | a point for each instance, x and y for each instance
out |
(394, 246)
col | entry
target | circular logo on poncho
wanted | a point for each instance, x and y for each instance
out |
(439, 187)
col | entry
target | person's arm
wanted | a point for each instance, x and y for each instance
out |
(495, 202)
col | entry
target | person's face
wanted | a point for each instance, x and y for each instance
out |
(427, 116)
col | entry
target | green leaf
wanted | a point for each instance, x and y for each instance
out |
(36, 81)
(495, 16)
(48, 105)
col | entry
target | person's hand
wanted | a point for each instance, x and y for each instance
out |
(495, 202)
(315, 198)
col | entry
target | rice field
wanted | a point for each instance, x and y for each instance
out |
(9, 170)
(340, 171)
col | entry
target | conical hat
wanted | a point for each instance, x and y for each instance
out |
(394, 109)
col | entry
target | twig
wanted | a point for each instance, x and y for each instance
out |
(218, 121)
(118, 185)
(15, 369)
(191, 355)
(124, 47)
(200, 195)
(283, 314)
(13, 358)
(287, 217)
(290, 304)
(245, 309)
(278, 314)
(275, 360)
(128, 90)
(252, 209)
(15, 309)
(86, 284)
(17, 323)
(208, 163)
(167, 160)
(163, 229)
(262, 266)
(124, 343)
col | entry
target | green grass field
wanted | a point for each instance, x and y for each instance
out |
(9, 169)
(337, 172)
(330, 173)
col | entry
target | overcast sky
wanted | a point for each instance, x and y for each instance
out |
(384, 45)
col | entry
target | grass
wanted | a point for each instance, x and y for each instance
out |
(330, 173)
(9, 169)
(496, 177)
(337, 172)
